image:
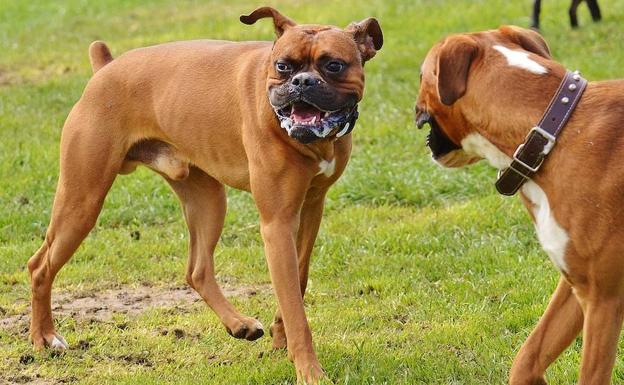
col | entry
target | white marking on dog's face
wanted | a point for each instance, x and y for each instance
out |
(327, 168)
(521, 60)
(477, 145)
(553, 238)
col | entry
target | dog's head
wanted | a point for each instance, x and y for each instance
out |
(316, 76)
(468, 80)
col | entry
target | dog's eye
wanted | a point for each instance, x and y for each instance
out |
(334, 66)
(283, 67)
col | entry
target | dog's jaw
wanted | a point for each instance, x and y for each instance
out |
(307, 123)
(477, 145)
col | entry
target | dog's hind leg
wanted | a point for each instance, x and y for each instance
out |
(560, 324)
(204, 202)
(89, 163)
(573, 13)
(535, 18)
(594, 9)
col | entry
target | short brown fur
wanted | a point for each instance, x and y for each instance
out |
(582, 177)
(197, 112)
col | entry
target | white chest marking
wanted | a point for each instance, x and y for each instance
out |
(521, 60)
(553, 238)
(475, 144)
(327, 168)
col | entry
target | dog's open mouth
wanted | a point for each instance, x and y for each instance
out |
(307, 123)
(438, 142)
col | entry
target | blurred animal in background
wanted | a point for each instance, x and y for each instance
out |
(594, 9)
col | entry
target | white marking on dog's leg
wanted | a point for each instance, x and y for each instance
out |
(521, 60)
(553, 238)
(478, 145)
(59, 342)
(258, 325)
(327, 168)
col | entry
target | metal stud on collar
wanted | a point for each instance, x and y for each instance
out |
(572, 87)
(565, 100)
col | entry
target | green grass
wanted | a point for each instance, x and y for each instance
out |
(420, 275)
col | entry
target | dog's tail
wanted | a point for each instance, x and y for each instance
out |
(99, 55)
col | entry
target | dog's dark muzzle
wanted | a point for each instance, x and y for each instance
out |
(307, 128)
(437, 141)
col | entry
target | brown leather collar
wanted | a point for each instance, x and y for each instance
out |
(530, 155)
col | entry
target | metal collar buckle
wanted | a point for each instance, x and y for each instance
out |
(551, 140)
(547, 136)
(525, 165)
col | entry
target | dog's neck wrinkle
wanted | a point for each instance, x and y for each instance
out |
(321, 150)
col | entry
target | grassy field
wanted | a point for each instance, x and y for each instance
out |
(420, 275)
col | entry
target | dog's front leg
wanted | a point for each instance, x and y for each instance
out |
(309, 223)
(601, 331)
(279, 195)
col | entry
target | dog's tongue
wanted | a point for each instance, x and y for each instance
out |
(304, 113)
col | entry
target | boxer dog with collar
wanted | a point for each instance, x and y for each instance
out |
(272, 118)
(482, 93)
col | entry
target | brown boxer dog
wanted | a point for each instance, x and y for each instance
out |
(482, 93)
(272, 118)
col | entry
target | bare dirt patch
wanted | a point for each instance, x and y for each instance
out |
(30, 380)
(32, 75)
(102, 305)
(8, 78)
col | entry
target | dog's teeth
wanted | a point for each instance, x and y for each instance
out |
(313, 120)
(343, 131)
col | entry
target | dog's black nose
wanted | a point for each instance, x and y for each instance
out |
(422, 118)
(305, 80)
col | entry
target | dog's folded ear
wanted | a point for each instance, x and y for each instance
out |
(368, 36)
(454, 60)
(281, 22)
(528, 39)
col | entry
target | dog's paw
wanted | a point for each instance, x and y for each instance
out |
(311, 373)
(516, 380)
(279, 335)
(58, 342)
(245, 328)
(50, 340)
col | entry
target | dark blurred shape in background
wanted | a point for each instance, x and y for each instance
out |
(594, 9)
